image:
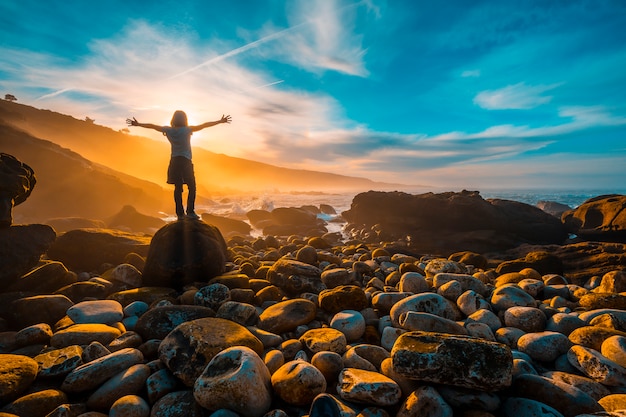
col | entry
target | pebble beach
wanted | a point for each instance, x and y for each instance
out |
(315, 325)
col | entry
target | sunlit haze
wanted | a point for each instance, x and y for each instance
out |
(460, 94)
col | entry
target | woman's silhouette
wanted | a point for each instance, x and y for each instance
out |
(180, 170)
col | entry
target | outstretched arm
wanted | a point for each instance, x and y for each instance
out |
(224, 119)
(134, 122)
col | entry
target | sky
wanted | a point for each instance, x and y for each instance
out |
(458, 94)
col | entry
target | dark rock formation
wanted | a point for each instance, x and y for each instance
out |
(450, 222)
(552, 207)
(542, 262)
(600, 218)
(293, 215)
(185, 252)
(259, 218)
(21, 248)
(131, 220)
(16, 183)
(581, 260)
(87, 249)
(327, 209)
(287, 221)
(227, 226)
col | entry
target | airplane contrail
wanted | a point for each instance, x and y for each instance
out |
(56, 93)
(258, 87)
(239, 50)
(270, 84)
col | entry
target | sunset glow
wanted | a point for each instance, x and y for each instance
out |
(499, 94)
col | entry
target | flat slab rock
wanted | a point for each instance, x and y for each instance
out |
(453, 360)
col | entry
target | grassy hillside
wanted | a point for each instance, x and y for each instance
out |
(127, 153)
(69, 185)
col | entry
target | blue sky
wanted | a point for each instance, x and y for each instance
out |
(454, 94)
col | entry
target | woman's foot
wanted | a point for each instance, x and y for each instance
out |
(192, 215)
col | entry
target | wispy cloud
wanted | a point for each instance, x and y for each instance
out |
(585, 116)
(572, 119)
(516, 96)
(325, 39)
(470, 73)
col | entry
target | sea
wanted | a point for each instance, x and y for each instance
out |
(237, 205)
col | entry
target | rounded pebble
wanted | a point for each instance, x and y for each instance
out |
(298, 382)
(349, 322)
(130, 406)
(236, 379)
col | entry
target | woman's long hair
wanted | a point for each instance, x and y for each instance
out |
(179, 119)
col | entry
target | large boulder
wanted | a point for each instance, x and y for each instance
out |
(259, 218)
(184, 252)
(21, 248)
(293, 215)
(16, 183)
(286, 221)
(553, 207)
(600, 218)
(88, 249)
(129, 219)
(226, 225)
(450, 222)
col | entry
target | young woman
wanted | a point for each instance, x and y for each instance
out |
(180, 170)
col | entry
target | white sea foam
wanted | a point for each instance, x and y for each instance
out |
(235, 206)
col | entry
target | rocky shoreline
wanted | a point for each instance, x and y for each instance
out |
(300, 322)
